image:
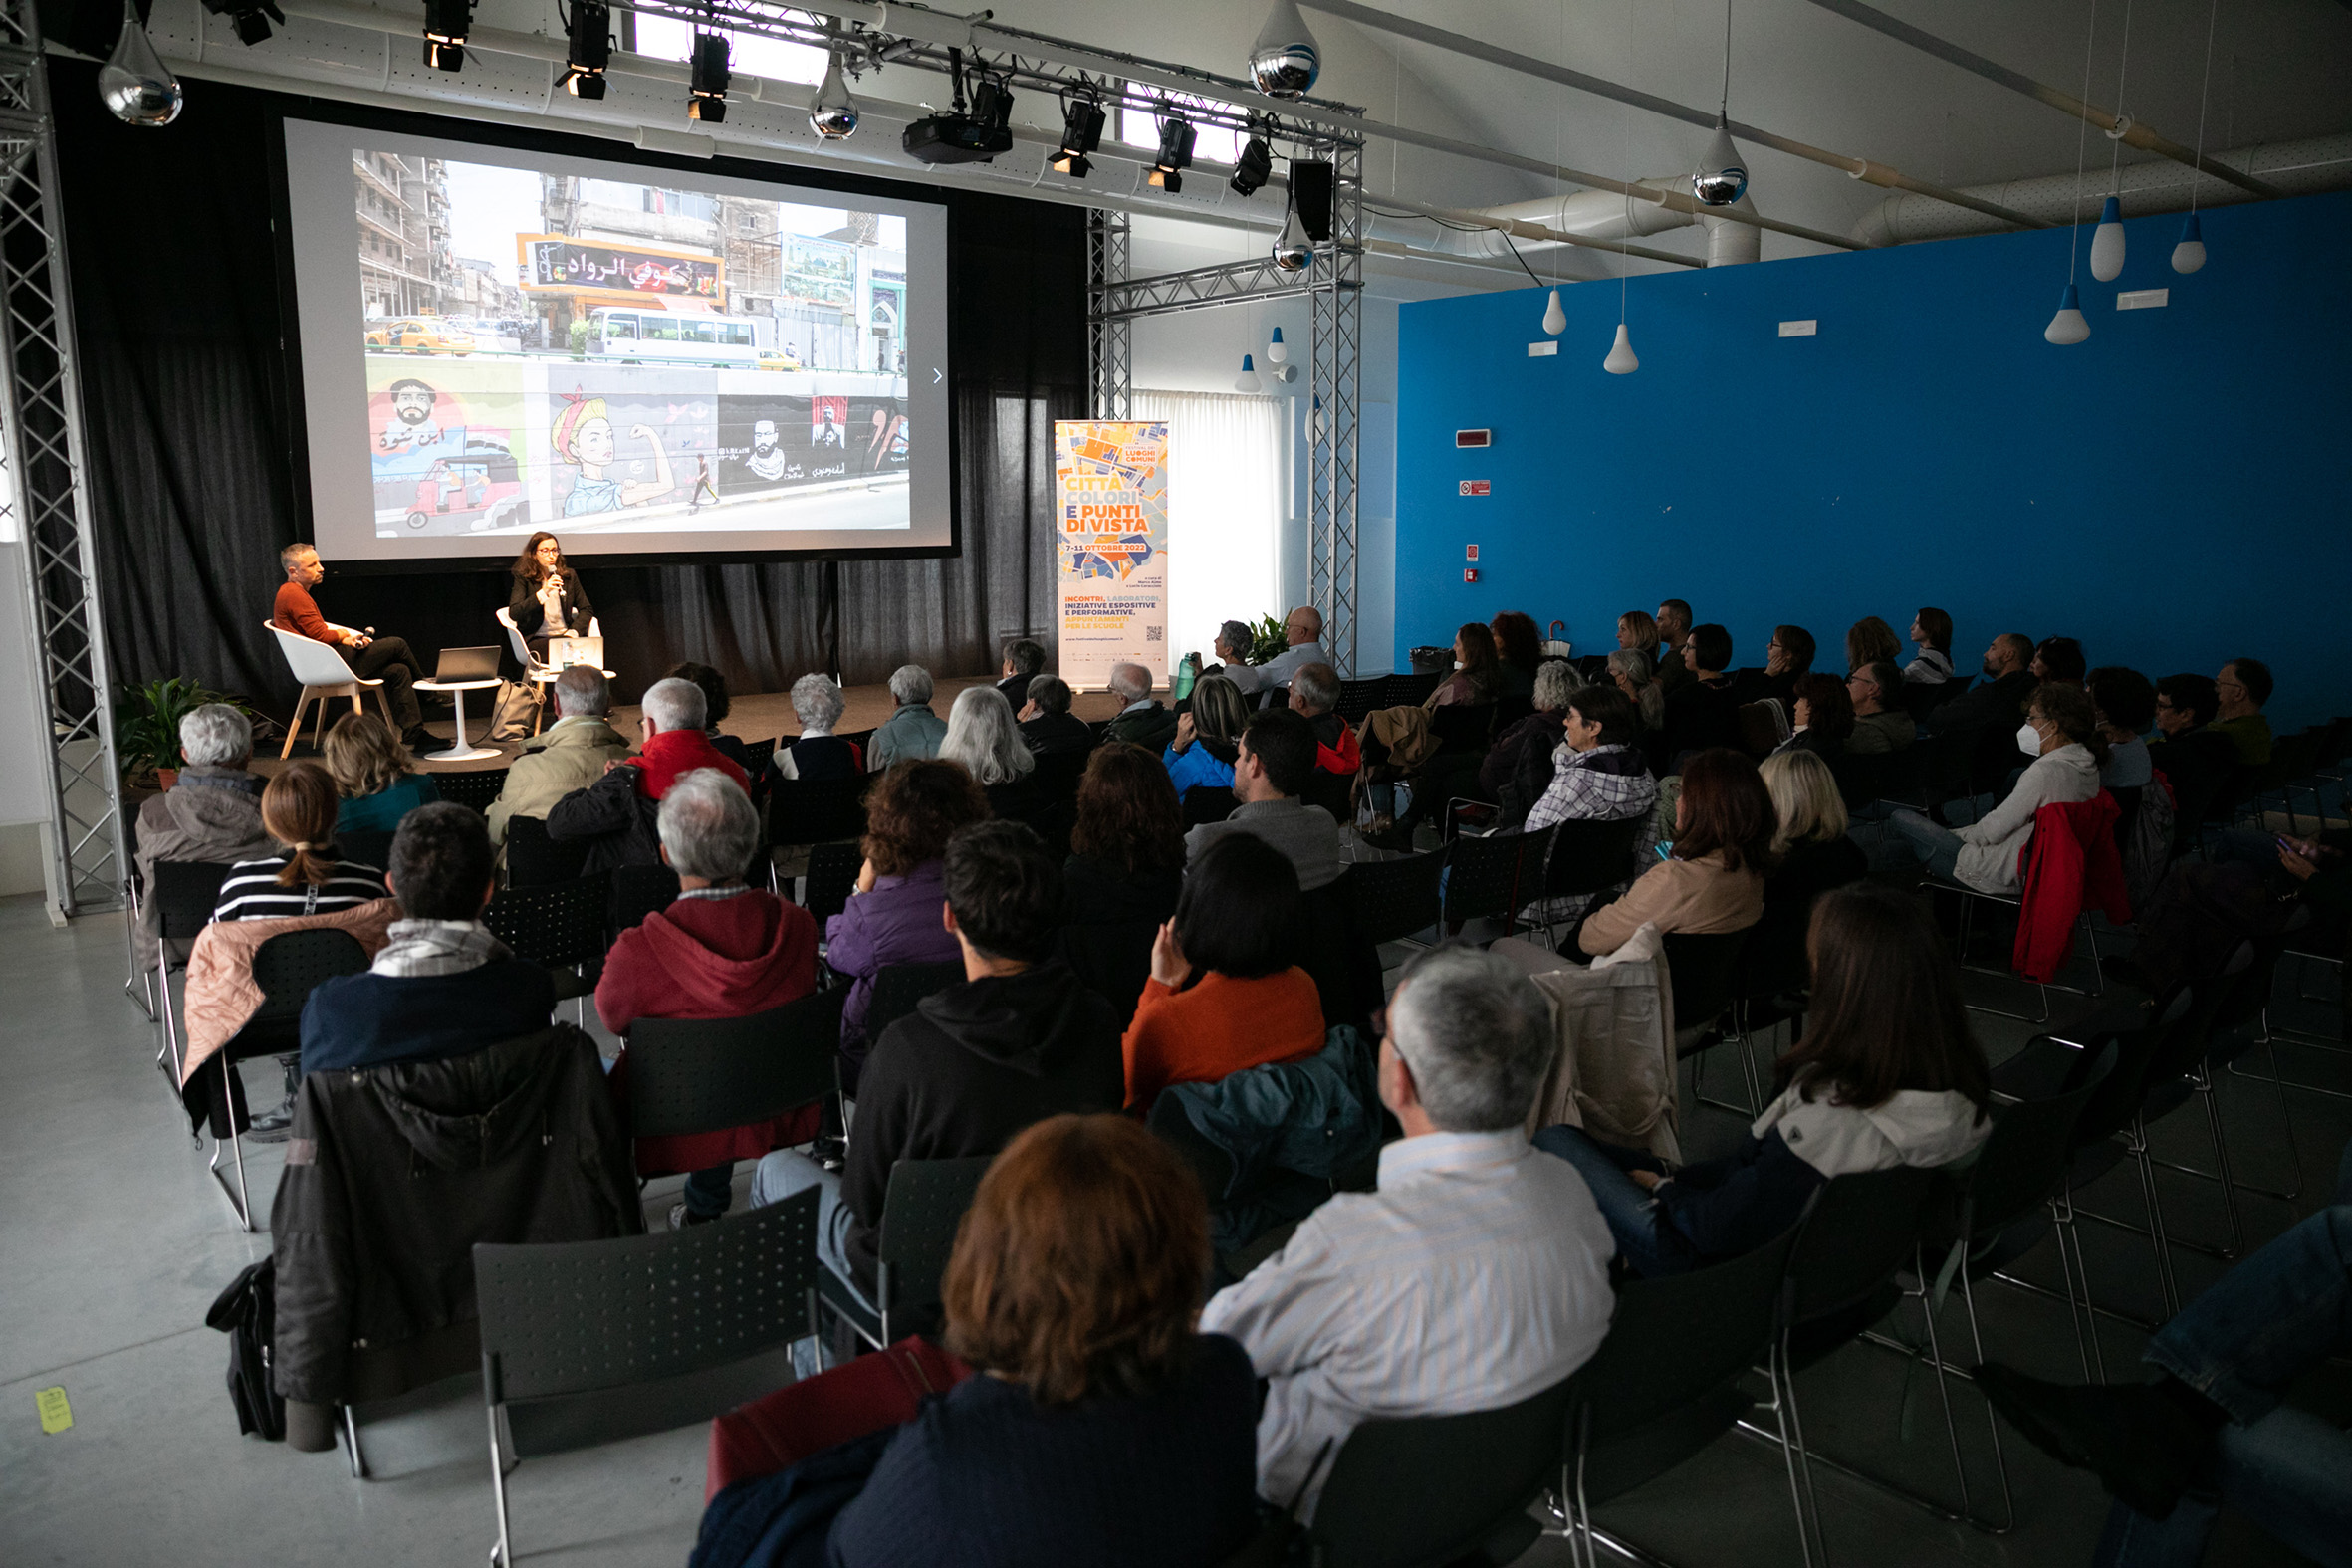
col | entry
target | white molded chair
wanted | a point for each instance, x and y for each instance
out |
(541, 676)
(324, 674)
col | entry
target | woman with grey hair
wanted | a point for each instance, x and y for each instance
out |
(211, 814)
(981, 737)
(1630, 671)
(1517, 768)
(817, 754)
(912, 730)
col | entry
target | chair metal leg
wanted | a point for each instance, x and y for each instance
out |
(1936, 1365)
(502, 1554)
(2169, 1287)
(171, 1047)
(1810, 1540)
(239, 1201)
(2001, 1464)
(350, 1439)
(2086, 1326)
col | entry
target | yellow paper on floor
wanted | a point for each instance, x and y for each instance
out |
(56, 1413)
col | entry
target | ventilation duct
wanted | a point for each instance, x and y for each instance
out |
(1593, 214)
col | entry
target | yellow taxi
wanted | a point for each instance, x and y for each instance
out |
(421, 335)
(777, 359)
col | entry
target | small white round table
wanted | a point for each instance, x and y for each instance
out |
(460, 751)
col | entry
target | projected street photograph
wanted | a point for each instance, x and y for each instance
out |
(551, 351)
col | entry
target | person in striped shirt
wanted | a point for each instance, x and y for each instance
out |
(298, 809)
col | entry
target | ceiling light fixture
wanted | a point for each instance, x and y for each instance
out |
(1722, 175)
(1248, 381)
(251, 17)
(1253, 168)
(1285, 60)
(588, 49)
(833, 114)
(2107, 239)
(1277, 351)
(1081, 134)
(706, 87)
(446, 23)
(2189, 254)
(2069, 326)
(1176, 139)
(134, 84)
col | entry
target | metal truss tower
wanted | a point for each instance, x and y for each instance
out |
(1110, 359)
(42, 491)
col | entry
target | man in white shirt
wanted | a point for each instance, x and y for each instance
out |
(1305, 632)
(1472, 1278)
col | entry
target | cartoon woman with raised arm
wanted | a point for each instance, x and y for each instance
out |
(582, 436)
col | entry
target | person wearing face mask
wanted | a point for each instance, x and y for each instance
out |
(1984, 854)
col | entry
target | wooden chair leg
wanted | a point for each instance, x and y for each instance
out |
(294, 730)
(385, 703)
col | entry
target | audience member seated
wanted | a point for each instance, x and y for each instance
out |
(1021, 1039)
(721, 949)
(374, 775)
(1811, 855)
(1984, 854)
(1637, 632)
(1599, 774)
(1631, 672)
(572, 753)
(1473, 1277)
(1273, 766)
(1226, 992)
(1881, 722)
(2240, 690)
(1788, 655)
(1704, 712)
(1476, 679)
(817, 755)
(443, 986)
(893, 917)
(1518, 652)
(1673, 622)
(1712, 880)
(1930, 633)
(1302, 631)
(1823, 719)
(1104, 1429)
(1519, 767)
(913, 731)
(615, 816)
(1204, 748)
(1885, 1075)
(304, 877)
(1025, 660)
(1232, 646)
(1314, 696)
(982, 739)
(1870, 640)
(716, 705)
(1142, 721)
(1047, 723)
(212, 815)
(1995, 701)
(2058, 659)
(2197, 759)
(2125, 702)
(1124, 874)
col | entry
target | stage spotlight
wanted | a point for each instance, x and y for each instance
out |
(1081, 134)
(446, 23)
(708, 84)
(1176, 139)
(1253, 168)
(252, 17)
(590, 49)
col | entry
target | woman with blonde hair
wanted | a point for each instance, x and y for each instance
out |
(297, 811)
(1815, 855)
(374, 775)
(1207, 737)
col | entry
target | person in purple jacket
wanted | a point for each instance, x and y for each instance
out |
(894, 916)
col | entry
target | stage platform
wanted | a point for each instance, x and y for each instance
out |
(761, 715)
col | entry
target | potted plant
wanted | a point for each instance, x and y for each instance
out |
(146, 726)
(1268, 639)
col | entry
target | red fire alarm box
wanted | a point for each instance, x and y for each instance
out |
(1470, 574)
(1477, 486)
(1470, 552)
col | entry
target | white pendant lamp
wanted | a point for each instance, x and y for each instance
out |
(2108, 243)
(1277, 351)
(1621, 360)
(2068, 326)
(2189, 255)
(1556, 320)
(1248, 381)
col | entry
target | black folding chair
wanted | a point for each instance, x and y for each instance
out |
(639, 891)
(1407, 689)
(535, 860)
(590, 1342)
(185, 894)
(1494, 876)
(830, 878)
(559, 928)
(1204, 804)
(370, 847)
(478, 788)
(698, 1075)
(1395, 900)
(923, 1205)
(1461, 727)
(1586, 858)
(1439, 1490)
(761, 753)
(898, 987)
(813, 811)
(1703, 973)
(1358, 698)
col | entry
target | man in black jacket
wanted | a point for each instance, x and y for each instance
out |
(1020, 1040)
(1999, 700)
(1046, 722)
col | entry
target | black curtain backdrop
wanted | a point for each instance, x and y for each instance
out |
(188, 392)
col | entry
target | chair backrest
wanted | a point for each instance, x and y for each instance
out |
(899, 986)
(832, 877)
(556, 925)
(513, 637)
(366, 846)
(290, 964)
(2025, 1156)
(535, 860)
(1430, 1488)
(185, 894)
(1494, 875)
(1705, 971)
(921, 1209)
(310, 663)
(812, 812)
(1408, 690)
(693, 1076)
(1461, 727)
(1211, 1162)
(639, 891)
(1863, 1228)
(1358, 698)
(478, 788)
(1057, 774)
(1393, 899)
(1205, 803)
(761, 753)
(1334, 792)
(671, 1312)
(1590, 856)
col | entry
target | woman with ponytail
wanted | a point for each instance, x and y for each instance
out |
(298, 809)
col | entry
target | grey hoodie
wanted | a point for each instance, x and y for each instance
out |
(1919, 1127)
(213, 815)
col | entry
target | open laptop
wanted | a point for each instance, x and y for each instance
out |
(468, 664)
(564, 652)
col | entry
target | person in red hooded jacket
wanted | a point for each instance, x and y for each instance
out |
(723, 950)
(614, 815)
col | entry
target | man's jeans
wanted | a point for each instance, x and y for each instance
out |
(784, 1174)
(2241, 1345)
(1625, 1203)
(1932, 844)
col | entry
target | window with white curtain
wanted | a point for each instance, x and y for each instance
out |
(1225, 511)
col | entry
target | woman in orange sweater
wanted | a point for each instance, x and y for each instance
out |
(1224, 994)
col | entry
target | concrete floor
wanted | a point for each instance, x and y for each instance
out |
(117, 1243)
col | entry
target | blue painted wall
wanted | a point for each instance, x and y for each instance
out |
(2171, 492)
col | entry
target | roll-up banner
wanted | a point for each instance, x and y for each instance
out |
(1110, 493)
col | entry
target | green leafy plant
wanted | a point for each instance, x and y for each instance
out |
(1267, 639)
(146, 721)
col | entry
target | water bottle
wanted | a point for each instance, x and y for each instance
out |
(1188, 670)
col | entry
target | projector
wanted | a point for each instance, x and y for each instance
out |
(965, 138)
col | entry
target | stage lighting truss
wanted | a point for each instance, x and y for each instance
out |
(446, 23)
(1081, 132)
(1176, 139)
(252, 18)
(707, 86)
(589, 30)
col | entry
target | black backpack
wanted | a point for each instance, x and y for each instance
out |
(248, 1313)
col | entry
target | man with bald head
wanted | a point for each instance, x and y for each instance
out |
(1305, 632)
(1999, 700)
(1143, 721)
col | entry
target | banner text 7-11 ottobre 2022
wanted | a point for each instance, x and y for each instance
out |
(1110, 493)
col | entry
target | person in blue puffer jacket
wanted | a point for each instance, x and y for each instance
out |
(1887, 1075)
(1205, 746)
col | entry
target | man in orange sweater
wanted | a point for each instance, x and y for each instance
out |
(370, 658)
